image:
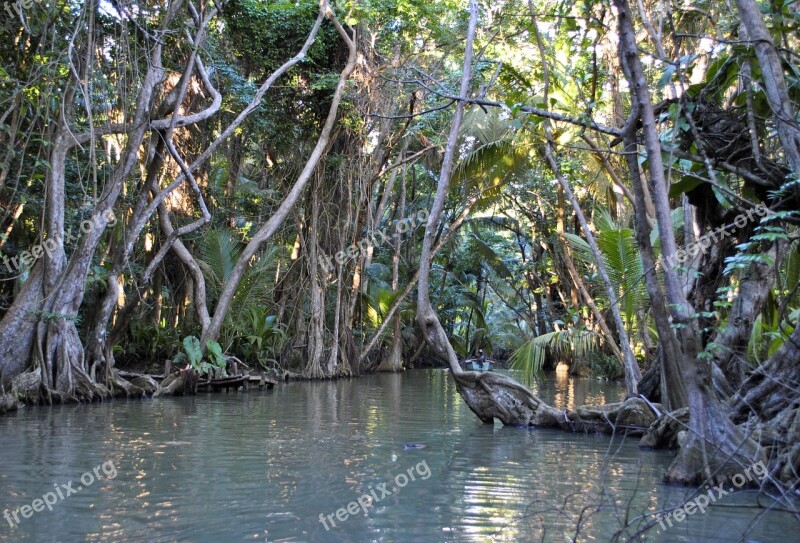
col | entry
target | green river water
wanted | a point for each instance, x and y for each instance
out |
(268, 466)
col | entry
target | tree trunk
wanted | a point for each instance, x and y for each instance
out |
(315, 340)
(714, 447)
(781, 104)
(730, 343)
(58, 371)
(270, 227)
(394, 362)
(489, 395)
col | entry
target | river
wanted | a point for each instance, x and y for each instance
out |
(286, 465)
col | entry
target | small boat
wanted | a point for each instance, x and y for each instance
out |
(474, 365)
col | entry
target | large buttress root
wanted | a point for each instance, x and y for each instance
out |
(57, 374)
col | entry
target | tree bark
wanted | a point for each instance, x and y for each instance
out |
(270, 227)
(781, 104)
(394, 362)
(315, 340)
(714, 447)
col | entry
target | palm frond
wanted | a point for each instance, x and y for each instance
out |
(570, 342)
(219, 251)
(622, 262)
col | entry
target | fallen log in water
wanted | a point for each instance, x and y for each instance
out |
(492, 395)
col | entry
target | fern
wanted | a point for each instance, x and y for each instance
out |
(219, 251)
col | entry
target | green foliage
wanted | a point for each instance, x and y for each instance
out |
(216, 358)
(602, 364)
(492, 156)
(781, 313)
(193, 355)
(260, 336)
(789, 278)
(260, 37)
(46, 316)
(148, 341)
(220, 251)
(570, 344)
(622, 262)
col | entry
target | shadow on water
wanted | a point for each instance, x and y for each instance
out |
(263, 466)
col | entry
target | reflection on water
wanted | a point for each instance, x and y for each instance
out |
(561, 390)
(264, 467)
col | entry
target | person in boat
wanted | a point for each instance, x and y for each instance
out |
(481, 357)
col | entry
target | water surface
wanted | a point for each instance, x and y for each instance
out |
(263, 466)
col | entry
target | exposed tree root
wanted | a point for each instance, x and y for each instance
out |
(30, 388)
(393, 362)
(181, 383)
(768, 407)
(121, 386)
(490, 395)
(147, 384)
(718, 455)
(663, 433)
(8, 403)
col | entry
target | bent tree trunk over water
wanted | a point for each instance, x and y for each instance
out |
(714, 448)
